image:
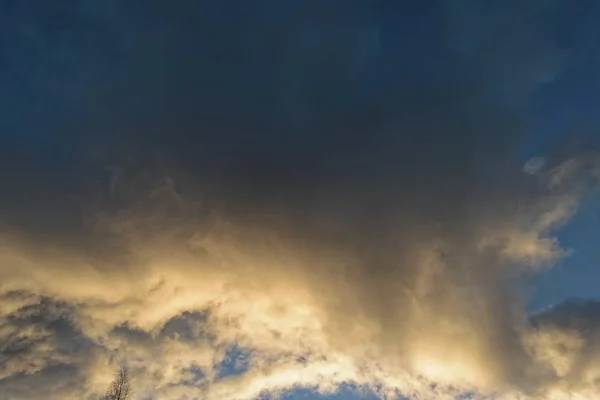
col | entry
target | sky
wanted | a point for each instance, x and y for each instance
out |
(349, 200)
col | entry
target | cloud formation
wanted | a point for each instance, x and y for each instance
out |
(286, 198)
(431, 316)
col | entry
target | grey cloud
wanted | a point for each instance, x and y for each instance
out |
(571, 349)
(42, 353)
(334, 194)
(188, 326)
(579, 315)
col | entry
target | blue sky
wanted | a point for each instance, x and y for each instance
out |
(564, 108)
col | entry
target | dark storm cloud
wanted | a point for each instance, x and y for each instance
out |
(276, 107)
(326, 186)
(267, 100)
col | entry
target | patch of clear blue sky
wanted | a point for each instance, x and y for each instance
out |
(567, 108)
(346, 392)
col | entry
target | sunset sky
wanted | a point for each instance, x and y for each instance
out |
(300, 200)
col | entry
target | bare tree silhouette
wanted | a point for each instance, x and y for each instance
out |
(120, 388)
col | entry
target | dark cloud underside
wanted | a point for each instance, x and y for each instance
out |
(238, 198)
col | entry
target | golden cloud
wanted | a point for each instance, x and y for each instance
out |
(417, 311)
